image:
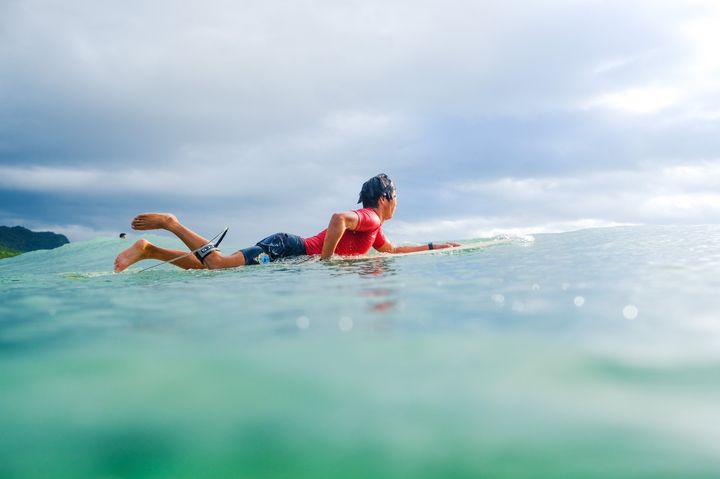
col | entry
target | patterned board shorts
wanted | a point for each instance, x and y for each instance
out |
(274, 247)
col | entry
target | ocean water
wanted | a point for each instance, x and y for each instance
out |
(589, 354)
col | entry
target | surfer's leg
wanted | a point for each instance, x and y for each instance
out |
(165, 254)
(152, 221)
(169, 222)
(143, 249)
(217, 261)
(192, 240)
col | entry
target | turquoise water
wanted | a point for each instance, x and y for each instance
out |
(587, 354)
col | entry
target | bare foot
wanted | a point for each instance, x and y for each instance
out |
(153, 221)
(132, 255)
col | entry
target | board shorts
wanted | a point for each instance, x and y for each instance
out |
(274, 247)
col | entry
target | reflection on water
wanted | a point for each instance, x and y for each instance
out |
(367, 266)
(381, 300)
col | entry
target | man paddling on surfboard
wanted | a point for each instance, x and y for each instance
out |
(350, 233)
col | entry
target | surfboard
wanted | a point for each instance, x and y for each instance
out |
(463, 248)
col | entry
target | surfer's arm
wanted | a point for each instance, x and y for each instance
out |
(388, 247)
(339, 222)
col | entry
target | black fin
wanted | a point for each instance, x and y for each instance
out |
(222, 236)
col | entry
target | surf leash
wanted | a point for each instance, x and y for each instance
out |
(213, 243)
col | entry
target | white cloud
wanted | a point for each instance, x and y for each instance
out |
(606, 66)
(677, 194)
(73, 232)
(702, 32)
(279, 105)
(687, 84)
(700, 207)
(643, 101)
(486, 227)
(61, 180)
(228, 170)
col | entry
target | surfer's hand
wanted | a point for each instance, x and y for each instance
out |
(445, 245)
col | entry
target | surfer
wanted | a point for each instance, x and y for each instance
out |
(350, 233)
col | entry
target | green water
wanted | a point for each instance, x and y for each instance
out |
(586, 354)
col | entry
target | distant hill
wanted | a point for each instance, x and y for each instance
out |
(16, 239)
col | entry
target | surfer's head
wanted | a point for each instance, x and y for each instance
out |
(379, 186)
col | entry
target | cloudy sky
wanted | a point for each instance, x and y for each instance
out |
(490, 116)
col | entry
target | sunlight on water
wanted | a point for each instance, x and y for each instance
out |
(585, 354)
(630, 312)
(303, 322)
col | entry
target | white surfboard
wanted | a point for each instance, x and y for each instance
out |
(466, 247)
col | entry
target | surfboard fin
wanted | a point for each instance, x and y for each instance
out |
(222, 236)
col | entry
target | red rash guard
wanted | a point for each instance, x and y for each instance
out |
(353, 242)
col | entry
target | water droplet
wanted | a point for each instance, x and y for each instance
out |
(579, 301)
(565, 286)
(303, 322)
(345, 324)
(630, 312)
(536, 287)
(498, 298)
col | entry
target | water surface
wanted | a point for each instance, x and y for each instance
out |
(586, 354)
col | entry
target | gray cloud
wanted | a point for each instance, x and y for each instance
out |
(255, 107)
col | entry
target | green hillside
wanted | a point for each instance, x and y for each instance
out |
(20, 240)
(7, 253)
